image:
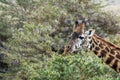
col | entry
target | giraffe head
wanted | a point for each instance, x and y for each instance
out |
(78, 29)
(84, 39)
(79, 41)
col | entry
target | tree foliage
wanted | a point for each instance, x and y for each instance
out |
(32, 31)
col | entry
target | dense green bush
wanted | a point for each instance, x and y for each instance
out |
(29, 45)
(85, 66)
(34, 32)
(114, 39)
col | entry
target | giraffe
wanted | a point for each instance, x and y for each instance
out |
(77, 30)
(106, 50)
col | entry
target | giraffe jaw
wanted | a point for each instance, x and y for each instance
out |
(74, 49)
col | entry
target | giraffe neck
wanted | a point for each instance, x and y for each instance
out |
(108, 51)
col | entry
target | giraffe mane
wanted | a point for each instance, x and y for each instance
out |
(107, 42)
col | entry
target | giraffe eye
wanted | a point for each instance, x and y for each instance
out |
(81, 37)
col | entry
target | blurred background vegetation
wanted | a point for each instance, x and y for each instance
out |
(33, 34)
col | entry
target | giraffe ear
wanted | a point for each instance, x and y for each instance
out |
(90, 32)
(77, 23)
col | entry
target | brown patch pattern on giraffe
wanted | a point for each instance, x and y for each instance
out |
(107, 50)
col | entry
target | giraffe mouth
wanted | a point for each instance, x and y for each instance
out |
(71, 51)
(67, 49)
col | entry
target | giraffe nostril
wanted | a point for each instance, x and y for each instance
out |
(68, 47)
